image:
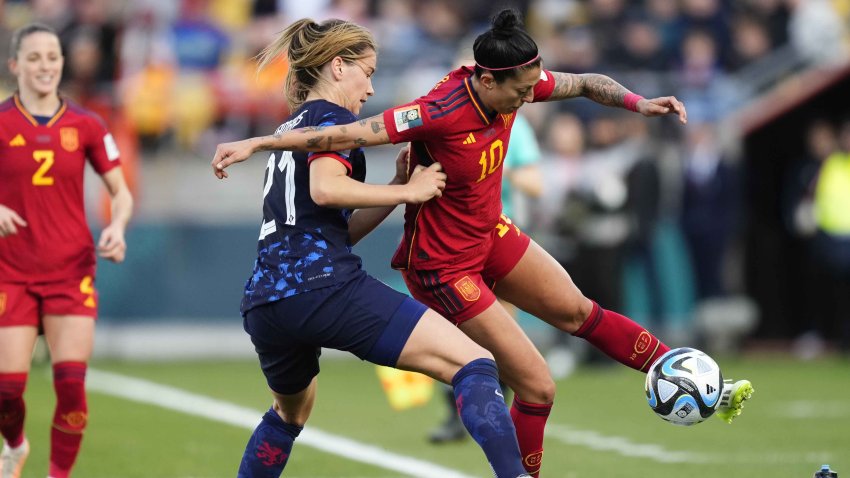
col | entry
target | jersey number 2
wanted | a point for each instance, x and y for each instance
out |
(45, 158)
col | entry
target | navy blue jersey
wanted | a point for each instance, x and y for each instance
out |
(302, 246)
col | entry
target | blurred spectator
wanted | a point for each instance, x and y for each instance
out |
(799, 219)
(706, 90)
(643, 206)
(750, 42)
(832, 242)
(642, 47)
(817, 32)
(709, 202)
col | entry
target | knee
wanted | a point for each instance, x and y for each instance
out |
(577, 314)
(541, 390)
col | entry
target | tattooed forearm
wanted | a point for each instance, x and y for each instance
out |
(377, 126)
(603, 89)
(314, 141)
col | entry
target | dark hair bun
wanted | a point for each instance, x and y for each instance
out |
(505, 22)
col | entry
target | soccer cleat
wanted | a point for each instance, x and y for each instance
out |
(732, 399)
(12, 459)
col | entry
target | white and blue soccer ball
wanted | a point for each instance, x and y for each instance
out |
(683, 386)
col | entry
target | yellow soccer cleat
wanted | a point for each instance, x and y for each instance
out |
(732, 399)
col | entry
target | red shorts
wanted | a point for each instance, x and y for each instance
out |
(27, 303)
(459, 292)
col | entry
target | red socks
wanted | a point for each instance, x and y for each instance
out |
(70, 417)
(621, 338)
(12, 408)
(530, 421)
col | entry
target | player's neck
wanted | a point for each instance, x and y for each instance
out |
(40, 105)
(481, 92)
(330, 95)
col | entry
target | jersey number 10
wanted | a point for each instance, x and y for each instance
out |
(497, 155)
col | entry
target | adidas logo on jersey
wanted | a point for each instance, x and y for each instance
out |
(469, 139)
(18, 141)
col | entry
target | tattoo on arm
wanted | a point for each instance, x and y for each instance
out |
(603, 90)
(377, 126)
(330, 142)
(566, 86)
(596, 87)
(315, 140)
(360, 142)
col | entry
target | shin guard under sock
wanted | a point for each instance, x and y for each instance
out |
(483, 412)
(70, 417)
(621, 338)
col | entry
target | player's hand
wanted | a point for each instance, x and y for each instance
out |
(426, 183)
(10, 221)
(231, 153)
(401, 164)
(663, 105)
(111, 245)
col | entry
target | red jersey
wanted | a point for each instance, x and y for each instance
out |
(450, 125)
(41, 179)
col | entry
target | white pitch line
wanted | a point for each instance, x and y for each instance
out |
(622, 446)
(143, 391)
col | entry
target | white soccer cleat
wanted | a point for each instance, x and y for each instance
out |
(12, 459)
(732, 399)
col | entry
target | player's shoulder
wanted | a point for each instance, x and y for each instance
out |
(77, 111)
(7, 105)
(327, 113)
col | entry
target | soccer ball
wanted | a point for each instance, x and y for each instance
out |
(683, 386)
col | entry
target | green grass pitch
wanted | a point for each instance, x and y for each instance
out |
(798, 419)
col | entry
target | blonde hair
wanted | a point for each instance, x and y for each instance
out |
(309, 46)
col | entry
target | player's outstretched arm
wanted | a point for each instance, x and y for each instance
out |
(366, 132)
(605, 91)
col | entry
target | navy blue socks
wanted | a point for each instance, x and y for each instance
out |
(484, 413)
(268, 449)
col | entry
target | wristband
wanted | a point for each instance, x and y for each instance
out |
(631, 100)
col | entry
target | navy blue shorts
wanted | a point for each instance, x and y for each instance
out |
(363, 316)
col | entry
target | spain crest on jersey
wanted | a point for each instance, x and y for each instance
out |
(468, 289)
(69, 139)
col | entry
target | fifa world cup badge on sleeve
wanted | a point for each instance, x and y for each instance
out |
(407, 118)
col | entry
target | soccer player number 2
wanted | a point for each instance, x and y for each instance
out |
(45, 158)
(495, 159)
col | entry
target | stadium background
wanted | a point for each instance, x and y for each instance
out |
(694, 242)
(173, 78)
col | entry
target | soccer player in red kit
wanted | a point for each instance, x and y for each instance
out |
(459, 252)
(47, 260)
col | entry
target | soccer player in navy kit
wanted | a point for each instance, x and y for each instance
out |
(308, 290)
(459, 252)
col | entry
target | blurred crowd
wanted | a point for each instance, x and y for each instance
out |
(181, 75)
(177, 70)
